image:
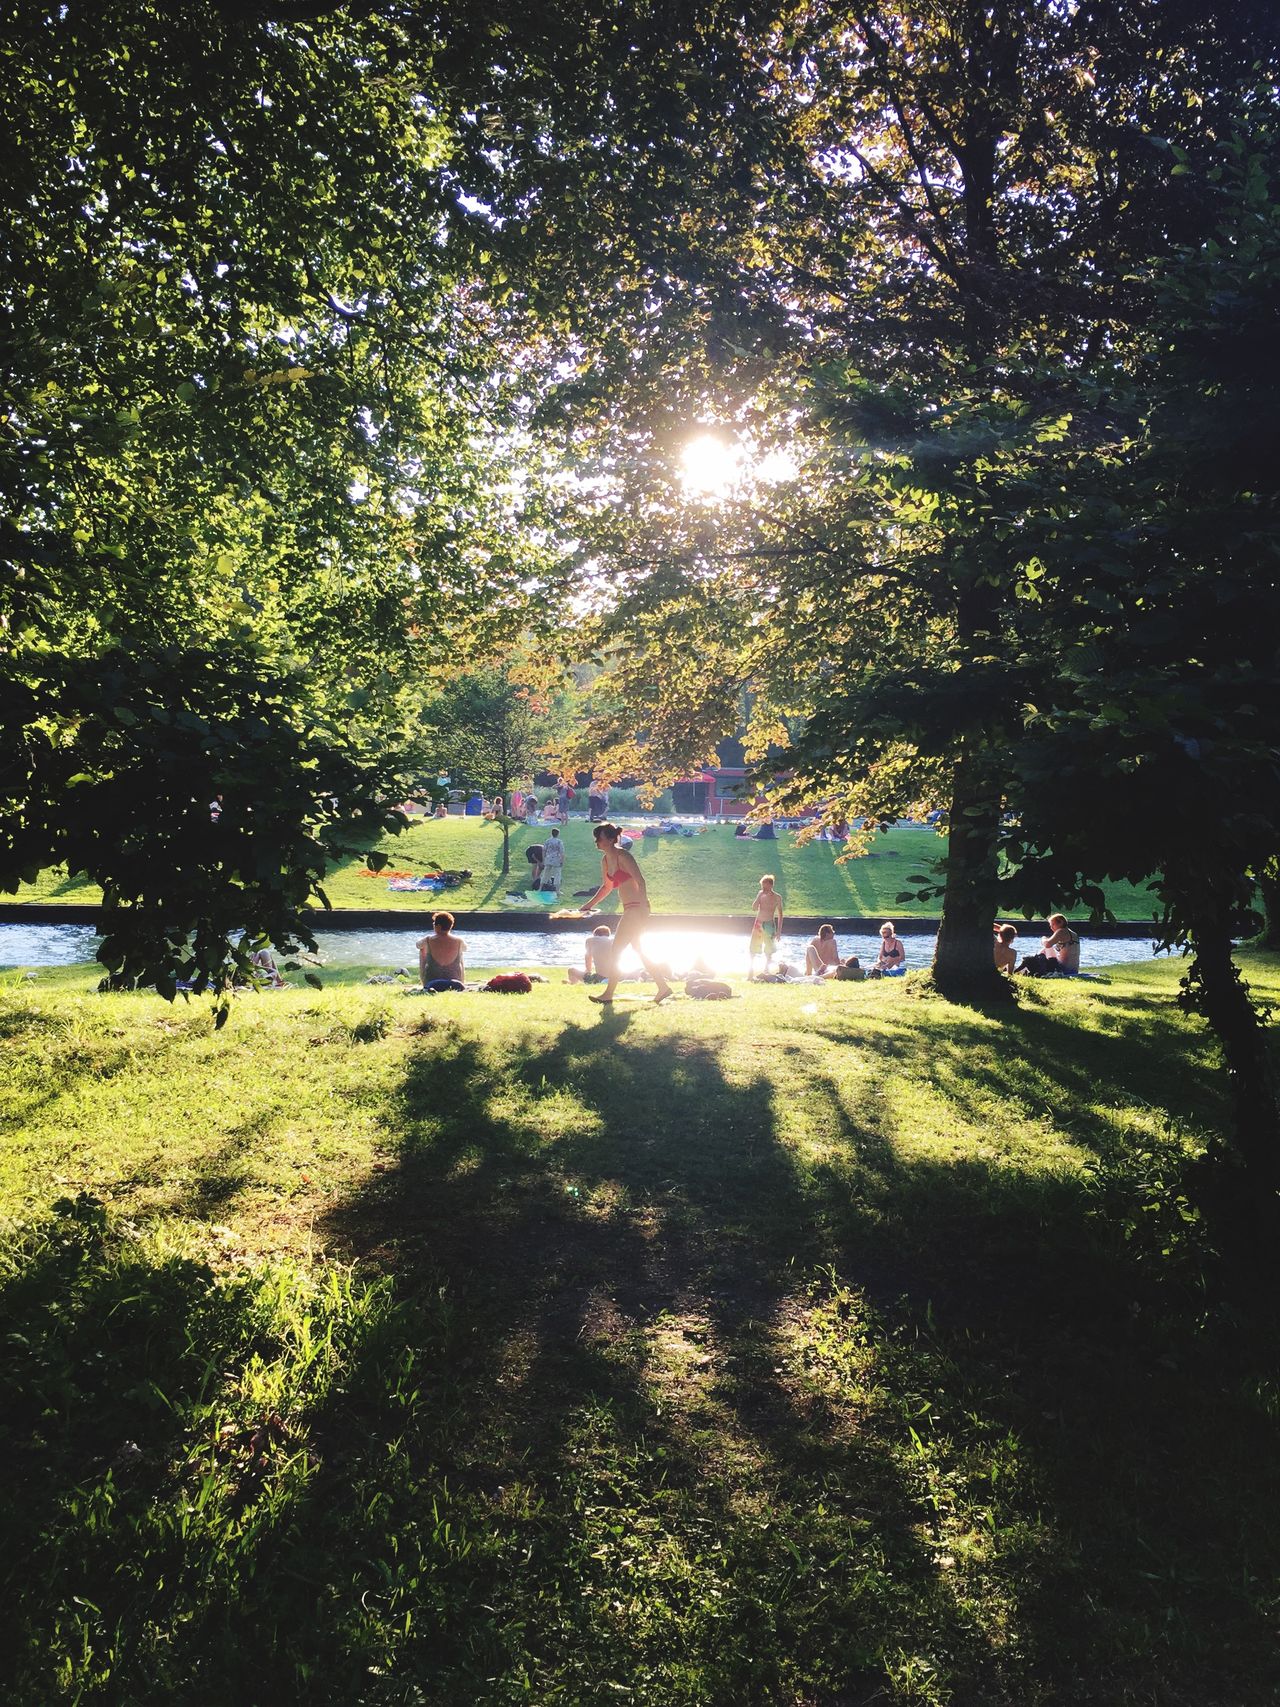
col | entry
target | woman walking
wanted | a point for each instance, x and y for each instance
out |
(618, 870)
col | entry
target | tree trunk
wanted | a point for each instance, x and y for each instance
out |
(964, 961)
(1269, 889)
(1214, 988)
(504, 783)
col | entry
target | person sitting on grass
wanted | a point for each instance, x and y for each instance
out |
(264, 961)
(440, 956)
(597, 958)
(531, 809)
(822, 955)
(1059, 955)
(1006, 954)
(891, 962)
(766, 925)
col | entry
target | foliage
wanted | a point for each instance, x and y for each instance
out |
(1163, 717)
(490, 728)
(161, 766)
(254, 407)
(916, 242)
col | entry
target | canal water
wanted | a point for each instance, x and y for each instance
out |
(72, 945)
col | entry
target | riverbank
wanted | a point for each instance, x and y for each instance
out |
(816, 1346)
(708, 874)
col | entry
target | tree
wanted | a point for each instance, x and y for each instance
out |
(1153, 748)
(491, 727)
(255, 411)
(900, 241)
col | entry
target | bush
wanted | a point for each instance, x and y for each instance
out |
(628, 800)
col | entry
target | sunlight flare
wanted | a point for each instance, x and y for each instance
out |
(710, 465)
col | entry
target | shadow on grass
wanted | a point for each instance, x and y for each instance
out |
(1034, 1060)
(655, 1403)
(621, 1223)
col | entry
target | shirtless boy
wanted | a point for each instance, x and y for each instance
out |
(597, 958)
(766, 925)
(1006, 954)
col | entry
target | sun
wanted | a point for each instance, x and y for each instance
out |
(710, 466)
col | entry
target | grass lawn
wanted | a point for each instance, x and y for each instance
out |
(813, 1348)
(710, 873)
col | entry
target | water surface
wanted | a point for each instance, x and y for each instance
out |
(74, 945)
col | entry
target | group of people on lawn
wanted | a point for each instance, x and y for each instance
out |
(555, 808)
(441, 953)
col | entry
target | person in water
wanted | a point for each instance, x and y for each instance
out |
(766, 925)
(440, 955)
(618, 870)
(822, 955)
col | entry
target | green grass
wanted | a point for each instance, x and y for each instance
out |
(820, 1347)
(709, 873)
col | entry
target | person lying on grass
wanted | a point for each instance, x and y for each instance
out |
(440, 955)
(618, 870)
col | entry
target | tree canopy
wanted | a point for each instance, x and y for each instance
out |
(258, 431)
(346, 342)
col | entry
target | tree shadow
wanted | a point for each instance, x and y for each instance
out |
(609, 1272)
(663, 1399)
(1035, 1060)
(664, 1214)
